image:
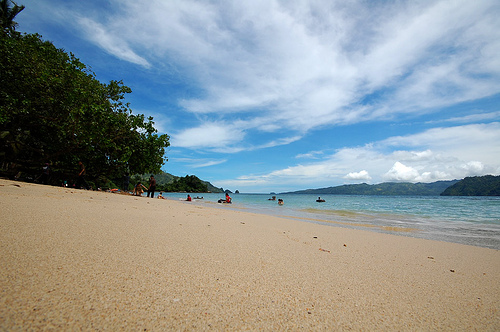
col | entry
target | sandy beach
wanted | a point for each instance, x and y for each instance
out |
(84, 260)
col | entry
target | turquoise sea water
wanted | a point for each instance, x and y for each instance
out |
(467, 220)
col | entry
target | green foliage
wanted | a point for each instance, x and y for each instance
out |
(212, 188)
(162, 179)
(7, 15)
(171, 183)
(53, 109)
(189, 183)
(487, 185)
(387, 188)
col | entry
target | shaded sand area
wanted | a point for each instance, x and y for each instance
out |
(82, 260)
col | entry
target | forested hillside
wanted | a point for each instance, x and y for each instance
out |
(487, 185)
(387, 188)
(171, 183)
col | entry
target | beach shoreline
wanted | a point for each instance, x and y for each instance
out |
(76, 259)
(466, 220)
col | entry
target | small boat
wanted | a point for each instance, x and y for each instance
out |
(320, 200)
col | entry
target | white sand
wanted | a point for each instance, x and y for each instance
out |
(82, 260)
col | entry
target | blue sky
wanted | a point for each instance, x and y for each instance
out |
(262, 96)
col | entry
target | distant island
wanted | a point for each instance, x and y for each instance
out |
(383, 189)
(487, 185)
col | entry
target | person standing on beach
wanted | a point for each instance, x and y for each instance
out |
(81, 177)
(126, 181)
(45, 173)
(152, 186)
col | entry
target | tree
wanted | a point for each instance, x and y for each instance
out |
(189, 183)
(53, 109)
(7, 15)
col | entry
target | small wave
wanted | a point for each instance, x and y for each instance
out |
(358, 224)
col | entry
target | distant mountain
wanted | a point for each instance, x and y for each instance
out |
(386, 188)
(163, 179)
(212, 188)
(487, 185)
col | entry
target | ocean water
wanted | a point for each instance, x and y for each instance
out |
(466, 220)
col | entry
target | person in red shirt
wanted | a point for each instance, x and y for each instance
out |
(227, 200)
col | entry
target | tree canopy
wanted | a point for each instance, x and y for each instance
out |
(54, 110)
(7, 15)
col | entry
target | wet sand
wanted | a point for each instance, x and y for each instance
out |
(82, 260)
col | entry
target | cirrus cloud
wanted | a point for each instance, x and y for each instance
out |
(426, 158)
(303, 65)
(272, 81)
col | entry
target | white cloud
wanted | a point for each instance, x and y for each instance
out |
(209, 163)
(110, 42)
(362, 175)
(277, 142)
(432, 155)
(400, 172)
(477, 117)
(473, 168)
(209, 135)
(302, 65)
(310, 155)
(222, 137)
(413, 155)
(473, 142)
(200, 163)
(289, 67)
